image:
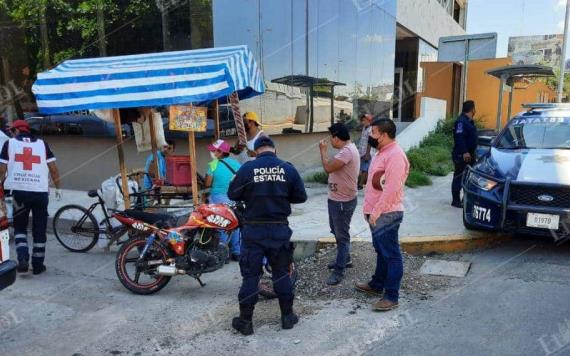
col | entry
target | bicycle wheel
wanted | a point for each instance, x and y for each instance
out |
(75, 228)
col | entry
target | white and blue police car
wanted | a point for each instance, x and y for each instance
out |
(521, 182)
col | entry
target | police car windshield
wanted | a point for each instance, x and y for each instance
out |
(538, 132)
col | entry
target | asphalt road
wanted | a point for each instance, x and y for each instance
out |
(514, 301)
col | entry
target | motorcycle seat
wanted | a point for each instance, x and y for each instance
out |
(150, 218)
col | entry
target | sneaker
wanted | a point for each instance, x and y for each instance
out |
(332, 264)
(334, 279)
(288, 321)
(384, 305)
(365, 288)
(39, 269)
(245, 327)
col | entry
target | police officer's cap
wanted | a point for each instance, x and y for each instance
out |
(262, 142)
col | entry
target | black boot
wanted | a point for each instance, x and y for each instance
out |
(288, 317)
(244, 323)
(456, 202)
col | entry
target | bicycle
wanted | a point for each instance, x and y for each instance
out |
(77, 229)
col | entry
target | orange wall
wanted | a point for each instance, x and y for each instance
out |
(438, 83)
(482, 88)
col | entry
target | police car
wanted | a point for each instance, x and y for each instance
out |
(521, 183)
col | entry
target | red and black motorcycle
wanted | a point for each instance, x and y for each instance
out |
(160, 249)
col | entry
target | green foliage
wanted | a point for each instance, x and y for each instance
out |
(433, 155)
(318, 177)
(417, 179)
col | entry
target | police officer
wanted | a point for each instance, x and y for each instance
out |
(465, 143)
(268, 186)
(26, 162)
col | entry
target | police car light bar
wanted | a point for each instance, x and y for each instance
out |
(546, 106)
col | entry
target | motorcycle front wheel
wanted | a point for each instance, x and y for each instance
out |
(138, 276)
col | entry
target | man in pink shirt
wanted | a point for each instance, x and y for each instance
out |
(343, 176)
(384, 211)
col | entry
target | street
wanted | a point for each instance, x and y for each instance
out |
(78, 307)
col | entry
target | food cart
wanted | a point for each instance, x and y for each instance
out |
(182, 79)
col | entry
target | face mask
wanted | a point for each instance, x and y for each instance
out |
(373, 142)
(213, 155)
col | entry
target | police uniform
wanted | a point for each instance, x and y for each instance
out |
(27, 177)
(465, 141)
(268, 186)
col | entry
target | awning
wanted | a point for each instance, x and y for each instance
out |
(144, 80)
(305, 81)
(520, 70)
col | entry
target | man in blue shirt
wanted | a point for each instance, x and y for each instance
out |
(268, 186)
(465, 143)
(149, 167)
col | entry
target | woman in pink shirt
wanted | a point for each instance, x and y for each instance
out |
(384, 210)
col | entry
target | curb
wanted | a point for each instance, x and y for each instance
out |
(413, 245)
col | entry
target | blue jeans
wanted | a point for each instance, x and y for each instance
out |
(232, 240)
(389, 264)
(340, 214)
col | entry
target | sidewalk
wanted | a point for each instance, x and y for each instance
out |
(427, 213)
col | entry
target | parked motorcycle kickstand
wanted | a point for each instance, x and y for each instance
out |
(197, 277)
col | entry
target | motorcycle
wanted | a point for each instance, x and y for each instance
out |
(160, 250)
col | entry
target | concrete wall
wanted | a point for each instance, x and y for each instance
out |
(85, 162)
(420, 17)
(432, 110)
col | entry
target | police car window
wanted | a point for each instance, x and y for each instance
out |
(536, 133)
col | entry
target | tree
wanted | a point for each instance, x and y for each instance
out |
(552, 82)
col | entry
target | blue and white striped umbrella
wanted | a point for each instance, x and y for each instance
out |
(155, 79)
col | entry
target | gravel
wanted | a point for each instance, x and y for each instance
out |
(313, 273)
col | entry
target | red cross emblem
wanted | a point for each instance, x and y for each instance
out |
(27, 158)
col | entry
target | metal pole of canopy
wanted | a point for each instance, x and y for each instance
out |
(500, 106)
(512, 86)
(122, 168)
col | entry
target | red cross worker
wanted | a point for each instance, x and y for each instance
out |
(26, 164)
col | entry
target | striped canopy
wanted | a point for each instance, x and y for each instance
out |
(142, 80)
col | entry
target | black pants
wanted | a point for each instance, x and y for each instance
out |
(460, 167)
(279, 257)
(36, 203)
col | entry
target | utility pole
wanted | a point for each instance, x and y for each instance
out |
(563, 54)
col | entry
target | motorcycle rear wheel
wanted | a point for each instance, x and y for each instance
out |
(129, 254)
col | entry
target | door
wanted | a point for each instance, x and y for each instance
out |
(398, 94)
